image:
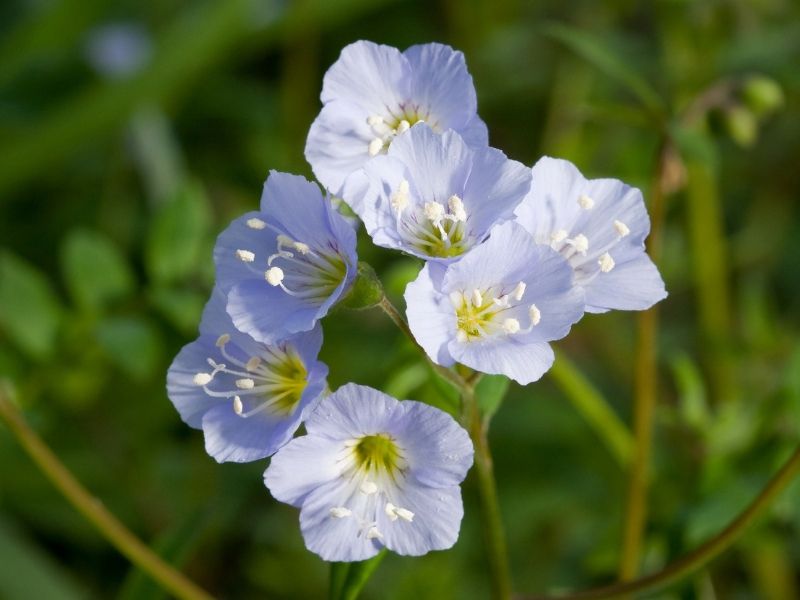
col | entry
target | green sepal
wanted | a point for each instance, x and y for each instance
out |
(366, 291)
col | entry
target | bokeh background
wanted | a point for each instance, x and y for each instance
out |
(131, 133)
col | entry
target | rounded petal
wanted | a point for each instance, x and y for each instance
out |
(632, 285)
(522, 362)
(352, 411)
(301, 466)
(230, 269)
(431, 317)
(190, 399)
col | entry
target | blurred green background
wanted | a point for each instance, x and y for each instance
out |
(132, 133)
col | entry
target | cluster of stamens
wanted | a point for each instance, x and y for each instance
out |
(431, 228)
(386, 128)
(374, 464)
(311, 273)
(486, 313)
(576, 248)
(273, 381)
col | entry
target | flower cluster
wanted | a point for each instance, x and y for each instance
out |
(513, 258)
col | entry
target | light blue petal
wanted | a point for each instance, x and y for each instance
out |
(475, 133)
(368, 75)
(632, 285)
(352, 411)
(230, 270)
(301, 466)
(190, 400)
(430, 315)
(435, 526)
(522, 362)
(215, 319)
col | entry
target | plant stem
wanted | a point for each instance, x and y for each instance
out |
(701, 556)
(92, 508)
(646, 376)
(493, 531)
(394, 314)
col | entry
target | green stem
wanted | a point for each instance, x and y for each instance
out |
(92, 508)
(493, 530)
(698, 558)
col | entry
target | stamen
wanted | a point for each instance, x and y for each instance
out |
(621, 229)
(580, 243)
(457, 208)
(255, 223)
(606, 263)
(374, 120)
(399, 199)
(253, 363)
(340, 512)
(404, 514)
(558, 236)
(390, 511)
(511, 326)
(477, 299)
(245, 256)
(519, 291)
(274, 276)
(585, 202)
(373, 533)
(202, 378)
(434, 212)
(368, 487)
(222, 340)
(238, 408)
(461, 336)
(245, 384)
(535, 314)
(403, 126)
(375, 146)
(301, 248)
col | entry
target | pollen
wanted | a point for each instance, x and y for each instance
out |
(434, 211)
(255, 223)
(368, 487)
(238, 408)
(373, 533)
(274, 276)
(375, 146)
(477, 299)
(340, 512)
(606, 263)
(253, 363)
(245, 256)
(374, 120)
(403, 126)
(586, 202)
(245, 384)
(519, 291)
(535, 314)
(456, 206)
(621, 229)
(222, 340)
(558, 236)
(202, 378)
(301, 248)
(510, 326)
(580, 243)
(399, 199)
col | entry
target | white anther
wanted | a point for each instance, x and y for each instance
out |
(606, 263)
(477, 299)
(511, 326)
(255, 223)
(559, 235)
(535, 314)
(461, 336)
(502, 301)
(202, 378)
(253, 363)
(404, 514)
(434, 212)
(399, 199)
(456, 206)
(340, 512)
(245, 255)
(390, 509)
(586, 202)
(238, 408)
(580, 243)
(403, 126)
(301, 248)
(375, 146)
(374, 120)
(368, 487)
(456, 299)
(284, 240)
(621, 229)
(373, 533)
(245, 384)
(222, 340)
(519, 291)
(274, 276)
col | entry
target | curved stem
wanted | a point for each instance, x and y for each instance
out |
(493, 531)
(92, 508)
(398, 319)
(702, 555)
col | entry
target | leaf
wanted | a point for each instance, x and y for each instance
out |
(30, 312)
(593, 50)
(489, 394)
(94, 270)
(177, 236)
(182, 308)
(406, 379)
(132, 344)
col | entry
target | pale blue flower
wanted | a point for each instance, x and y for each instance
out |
(284, 267)
(373, 93)
(495, 309)
(599, 226)
(248, 398)
(374, 472)
(433, 196)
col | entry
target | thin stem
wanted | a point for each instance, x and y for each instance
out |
(92, 508)
(397, 318)
(493, 530)
(696, 559)
(646, 375)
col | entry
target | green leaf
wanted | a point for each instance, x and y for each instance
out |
(490, 392)
(406, 379)
(594, 51)
(182, 308)
(131, 344)
(30, 312)
(94, 270)
(366, 291)
(177, 235)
